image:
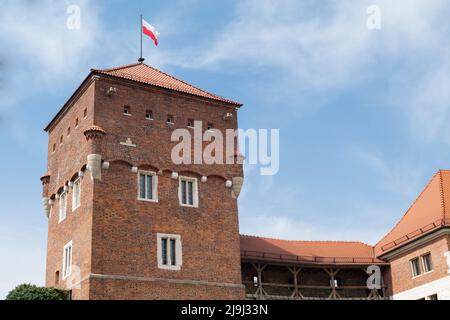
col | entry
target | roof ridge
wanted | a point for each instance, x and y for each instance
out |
(118, 68)
(188, 84)
(409, 208)
(307, 241)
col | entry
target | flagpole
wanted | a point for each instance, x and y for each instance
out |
(141, 59)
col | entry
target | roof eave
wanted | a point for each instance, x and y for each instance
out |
(67, 103)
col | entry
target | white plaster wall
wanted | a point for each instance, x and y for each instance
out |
(440, 287)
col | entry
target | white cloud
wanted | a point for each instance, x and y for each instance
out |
(38, 35)
(321, 47)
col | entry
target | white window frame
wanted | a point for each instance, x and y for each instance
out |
(62, 213)
(419, 266)
(67, 266)
(423, 263)
(76, 183)
(194, 190)
(178, 252)
(154, 185)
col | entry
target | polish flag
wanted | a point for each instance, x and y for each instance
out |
(150, 31)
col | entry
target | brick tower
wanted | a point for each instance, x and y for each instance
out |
(124, 221)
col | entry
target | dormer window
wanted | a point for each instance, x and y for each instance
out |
(127, 110)
(170, 119)
(149, 115)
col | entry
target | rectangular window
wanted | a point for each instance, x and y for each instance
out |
(149, 115)
(170, 119)
(190, 123)
(62, 206)
(76, 196)
(427, 264)
(415, 267)
(173, 259)
(164, 251)
(169, 251)
(127, 110)
(433, 297)
(67, 260)
(188, 193)
(210, 126)
(148, 183)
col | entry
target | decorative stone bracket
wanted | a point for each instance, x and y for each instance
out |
(237, 186)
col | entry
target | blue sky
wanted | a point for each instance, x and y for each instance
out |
(362, 113)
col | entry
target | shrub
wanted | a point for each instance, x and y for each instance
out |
(32, 292)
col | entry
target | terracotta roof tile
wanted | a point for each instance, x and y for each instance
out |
(143, 73)
(327, 252)
(428, 212)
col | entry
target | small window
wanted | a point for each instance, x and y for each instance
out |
(210, 126)
(148, 184)
(76, 123)
(190, 123)
(76, 196)
(85, 113)
(187, 193)
(169, 251)
(67, 260)
(57, 278)
(127, 110)
(68, 131)
(255, 281)
(427, 263)
(62, 206)
(433, 297)
(149, 115)
(334, 282)
(61, 140)
(170, 119)
(415, 267)
(54, 147)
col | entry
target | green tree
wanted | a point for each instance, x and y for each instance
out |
(32, 292)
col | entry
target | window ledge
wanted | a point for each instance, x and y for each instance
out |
(170, 268)
(148, 200)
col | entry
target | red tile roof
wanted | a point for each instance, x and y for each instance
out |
(315, 252)
(429, 212)
(143, 73)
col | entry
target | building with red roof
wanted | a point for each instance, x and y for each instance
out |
(142, 227)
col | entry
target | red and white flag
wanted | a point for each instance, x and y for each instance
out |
(150, 31)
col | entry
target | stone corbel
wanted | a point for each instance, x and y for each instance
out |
(46, 205)
(94, 165)
(237, 186)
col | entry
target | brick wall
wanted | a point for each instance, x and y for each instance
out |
(401, 270)
(113, 233)
(63, 165)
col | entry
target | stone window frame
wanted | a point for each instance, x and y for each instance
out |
(154, 185)
(62, 213)
(178, 251)
(76, 183)
(195, 196)
(67, 260)
(424, 268)
(419, 267)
